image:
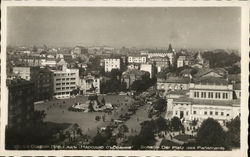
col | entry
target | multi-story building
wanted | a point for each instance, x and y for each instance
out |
(24, 72)
(31, 60)
(132, 75)
(160, 62)
(20, 102)
(211, 97)
(112, 63)
(170, 53)
(65, 81)
(137, 59)
(42, 79)
(89, 85)
(182, 61)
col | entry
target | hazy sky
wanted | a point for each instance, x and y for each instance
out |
(215, 27)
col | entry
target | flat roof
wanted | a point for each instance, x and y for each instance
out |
(235, 102)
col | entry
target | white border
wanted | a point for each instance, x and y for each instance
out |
(244, 79)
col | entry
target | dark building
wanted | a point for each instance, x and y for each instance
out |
(20, 102)
(43, 81)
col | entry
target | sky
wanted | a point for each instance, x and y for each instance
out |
(183, 27)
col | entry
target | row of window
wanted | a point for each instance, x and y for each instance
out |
(62, 93)
(63, 88)
(211, 95)
(68, 74)
(212, 113)
(67, 83)
(63, 79)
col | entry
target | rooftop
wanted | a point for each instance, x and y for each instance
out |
(235, 102)
(204, 71)
(134, 71)
(176, 80)
(211, 80)
(17, 82)
(237, 86)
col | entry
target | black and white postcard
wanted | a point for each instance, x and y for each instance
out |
(134, 78)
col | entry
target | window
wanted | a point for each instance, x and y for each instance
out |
(205, 113)
(216, 113)
(58, 79)
(194, 112)
(176, 113)
(72, 78)
(212, 95)
(205, 95)
(211, 112)
(222, 113)
(187, 113)
(227, 114)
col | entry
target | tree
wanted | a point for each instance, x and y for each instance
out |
(176, 124)
(233, 133)
(146, 136)
(161, 124)
(160, 105)
(115, 74)
(123, 129)
(211, 134)
(38, 116)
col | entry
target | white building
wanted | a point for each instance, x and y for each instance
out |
(181, 61)
(205, 99)
(112, 63)
(90, 85)
(148, 68)
(65, 81)
(137, 59)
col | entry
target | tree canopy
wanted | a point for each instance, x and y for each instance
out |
(211, 134)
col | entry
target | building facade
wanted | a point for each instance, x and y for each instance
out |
(204, 100)
(112, 63)
(149, 68)
(65, 81)
(90, 85)
(160, 62)
(182, 61)
(132, 75)
(173, 83)
(20, 102)
(137, 59)
(42, 79)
